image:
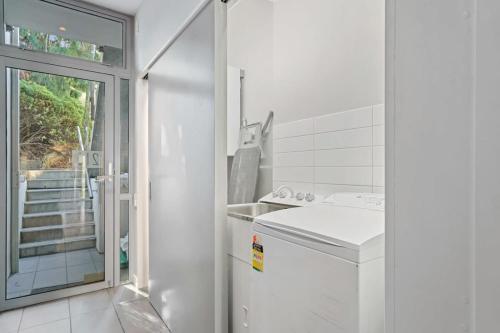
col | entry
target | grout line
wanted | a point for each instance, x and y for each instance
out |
(69, 308)
(323, 149)
(21, 320)
(116, 314)
(324, 132)
(324, 166)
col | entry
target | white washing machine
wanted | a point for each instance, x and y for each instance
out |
(320, 268)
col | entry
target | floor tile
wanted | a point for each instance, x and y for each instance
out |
(50, 278)
(10, 320)
(79, 257)
(125, 293)
(45, 313)
(89, 302)
(103, 321)
(99, 266)
(96, 256)
(28, 265)
(51, 261)
(140, 317)
(20, 282)
(60, 326)
(77, 273)
(11, 295)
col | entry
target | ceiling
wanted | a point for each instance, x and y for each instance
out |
(123, 6)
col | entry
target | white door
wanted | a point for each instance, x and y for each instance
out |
(58, 232)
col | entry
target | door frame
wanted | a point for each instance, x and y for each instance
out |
(109, 200)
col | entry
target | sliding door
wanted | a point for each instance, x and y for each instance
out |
(187, 161)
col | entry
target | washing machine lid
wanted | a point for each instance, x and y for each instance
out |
(341, 226)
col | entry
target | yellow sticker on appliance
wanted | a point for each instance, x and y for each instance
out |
(257, 254)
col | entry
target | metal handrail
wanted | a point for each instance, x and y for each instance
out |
(87, 178)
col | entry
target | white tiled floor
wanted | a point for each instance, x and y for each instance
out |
(119, 310)
(53, 271)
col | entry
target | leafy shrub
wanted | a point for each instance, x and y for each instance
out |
(47, 121)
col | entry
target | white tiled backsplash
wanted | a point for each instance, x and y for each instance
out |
(342, 151)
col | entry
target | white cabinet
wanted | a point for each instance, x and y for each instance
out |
(239, 295)
(239, 247)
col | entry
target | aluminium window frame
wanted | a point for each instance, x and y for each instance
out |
(127, 71)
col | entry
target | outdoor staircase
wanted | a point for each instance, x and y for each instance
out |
(58, 213)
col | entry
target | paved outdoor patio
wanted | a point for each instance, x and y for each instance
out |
(55, 271)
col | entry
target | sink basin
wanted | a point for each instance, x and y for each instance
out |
(250, 211)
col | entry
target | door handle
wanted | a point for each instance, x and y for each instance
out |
(109, 177)
(102, 179)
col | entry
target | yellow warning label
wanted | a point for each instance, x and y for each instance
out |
(257, 254)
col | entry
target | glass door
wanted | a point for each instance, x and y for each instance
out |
(58, 234)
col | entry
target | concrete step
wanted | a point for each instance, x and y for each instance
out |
(55, 194)
(45, 206)
(56, 232)
(47, 183)
(56, 246)
(34, 220)
(54, 174)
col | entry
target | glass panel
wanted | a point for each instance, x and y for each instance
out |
(56, 229)
(124, 254)
(45, 27)
(124, 136)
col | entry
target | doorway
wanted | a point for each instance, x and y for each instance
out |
(59, 127)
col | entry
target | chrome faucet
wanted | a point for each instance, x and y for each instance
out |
(281, 192)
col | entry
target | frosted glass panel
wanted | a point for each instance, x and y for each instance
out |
(40, 26)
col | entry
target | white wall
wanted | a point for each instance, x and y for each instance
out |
(328, 56)
(487, 122)
(250, 47)
(430, 154)
(156, 23)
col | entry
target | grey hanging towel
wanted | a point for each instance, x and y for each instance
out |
(244, 172)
